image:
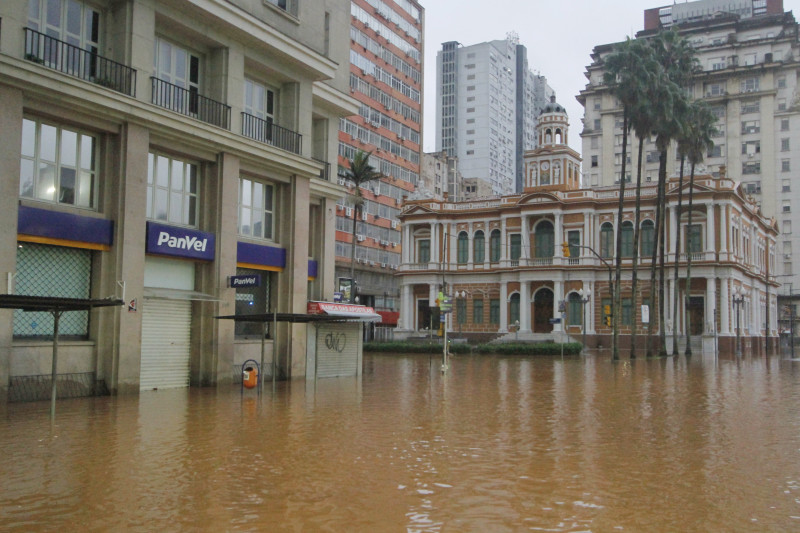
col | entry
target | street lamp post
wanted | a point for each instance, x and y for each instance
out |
(585, 295)
(738, 300)
(461, 319)
(516, 333)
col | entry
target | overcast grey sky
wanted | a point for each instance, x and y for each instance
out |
(559, 37)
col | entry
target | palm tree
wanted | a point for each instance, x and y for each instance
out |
(620, 75)
(642, 121)
(360, 173)
(699, 132)
(682, 148)
(676, 55)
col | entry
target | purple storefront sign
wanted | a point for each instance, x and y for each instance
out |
(179, 242)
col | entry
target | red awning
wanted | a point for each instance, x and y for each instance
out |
(356, 312)
(389, 318)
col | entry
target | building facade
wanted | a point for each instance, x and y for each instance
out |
(487, 101)
(386, 67)
(153, 150)
(439, 177)
(503, 262)
(748, 54)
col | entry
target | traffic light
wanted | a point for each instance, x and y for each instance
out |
(607, 313)
(565, 248)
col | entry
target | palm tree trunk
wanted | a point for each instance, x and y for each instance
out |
(677, 263)
(353, 256)
(662, 304)
(617, 294)
(688, 351)
(635, 260)
(662, 178)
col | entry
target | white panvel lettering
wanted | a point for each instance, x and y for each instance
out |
(182, 243)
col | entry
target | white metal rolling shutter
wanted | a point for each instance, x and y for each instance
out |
(337, 349)
(166, 331)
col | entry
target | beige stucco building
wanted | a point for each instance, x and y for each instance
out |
(153, 149)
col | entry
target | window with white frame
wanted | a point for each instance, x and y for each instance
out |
(73, 22)
(256, 209)
(172, 190)
(58, 164)
(260, 100)
(749, 85)
(180, 67)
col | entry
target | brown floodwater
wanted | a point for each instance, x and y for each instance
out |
(496, 444)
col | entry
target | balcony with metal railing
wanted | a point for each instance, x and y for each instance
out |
(87, 65)
(190, 103)
(267, 132)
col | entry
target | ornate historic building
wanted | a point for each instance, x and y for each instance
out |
(503, 262)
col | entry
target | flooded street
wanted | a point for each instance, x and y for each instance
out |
(497, 444)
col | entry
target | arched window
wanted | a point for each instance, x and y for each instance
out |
(463, 247)
(513, 309)
(606, 240)
(627, 239)
(494, 246)
(478, 247)
(647, 238)
(574, 309)
(544, 239)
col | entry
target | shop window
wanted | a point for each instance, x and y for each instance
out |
(172, 190)
(57, 271)
(57, 164)
(252, 301)
(256, 209)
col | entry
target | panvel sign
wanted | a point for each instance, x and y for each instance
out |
(179, 242)
(249, 280)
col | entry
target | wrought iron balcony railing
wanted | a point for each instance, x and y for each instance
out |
(190, 103)
(75, 61)
(266, 132)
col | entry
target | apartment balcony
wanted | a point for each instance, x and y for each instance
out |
(75, 61)
(190, 103)
(325, 173)
(268, 133)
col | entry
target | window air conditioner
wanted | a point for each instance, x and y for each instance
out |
(360, 238)
(383, 265)
(394, 224)
(363, 215)
(349, 211)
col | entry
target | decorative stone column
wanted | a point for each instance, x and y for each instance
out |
(558, 295)
(524, 307)
(725, 308)
(711, 241)
(503, 307)
(711, 304)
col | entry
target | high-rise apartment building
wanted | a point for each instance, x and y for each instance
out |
(154, 151)
(487, 101)
(748, 54)
(386, 67)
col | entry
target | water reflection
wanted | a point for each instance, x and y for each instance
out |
(497, 444)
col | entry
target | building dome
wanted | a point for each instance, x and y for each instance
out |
(553, 107)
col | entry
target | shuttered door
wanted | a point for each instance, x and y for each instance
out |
(337, 350)
(165, 344)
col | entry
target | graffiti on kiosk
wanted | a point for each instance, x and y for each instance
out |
(335, 341)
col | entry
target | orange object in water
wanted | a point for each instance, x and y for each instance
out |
(250, 377)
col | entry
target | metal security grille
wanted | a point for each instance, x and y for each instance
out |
(52, 271)
(35, 388)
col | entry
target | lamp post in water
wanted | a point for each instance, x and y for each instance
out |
(738, 300)
(585, 295)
